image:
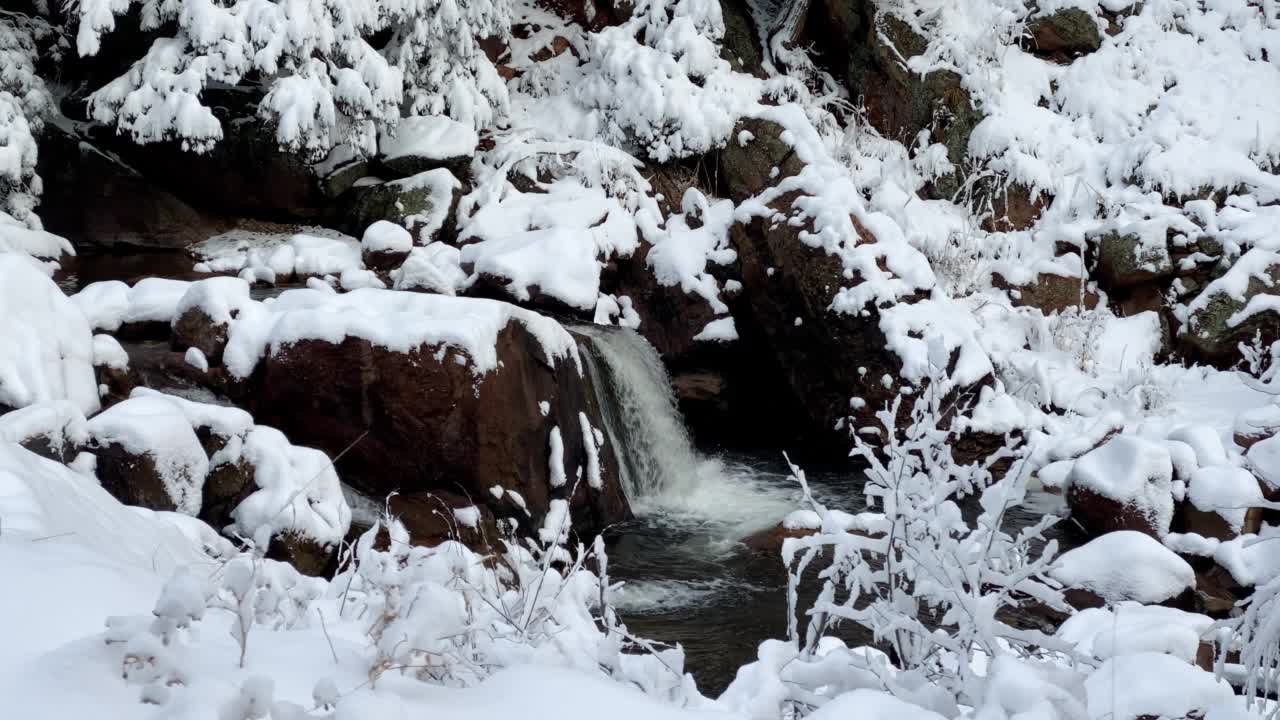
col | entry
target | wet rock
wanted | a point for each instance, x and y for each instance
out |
(769, 540)
(745, 169)
(1063, 35)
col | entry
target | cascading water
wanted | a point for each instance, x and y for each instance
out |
(642, 422)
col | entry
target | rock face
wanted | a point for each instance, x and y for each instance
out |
(93, 198)
(423, 420)
(424, 204)
(899, 102)
(1212, 332)
(1063, 35)
(1050, 293)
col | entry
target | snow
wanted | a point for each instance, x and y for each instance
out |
(1153, 684)
(1132, 471)
(398, 321)
(196, 359)
(18, 238)
(468, 517)
(589, 442)
(1264, 459)
(552, 242)
(46, 348)
(383, 236)
(1125, 565)
(874, 704)
(433, 137)
(437, 267)
(1227, 491)
(555, 458)
(1130, 627)
(108, 353)
(298, 491)
(155, 427)
(278, 256)
(720, 330)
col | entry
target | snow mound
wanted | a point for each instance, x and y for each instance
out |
(1264, 459)
(1125, 565)
(61, 424)
(398, 321)
(46, 348)
(1131, 627)
(298, 491)
(1132, 471)
(432, 137)
(437, 268)
(383, 236)
(17, 238)
(218, 298)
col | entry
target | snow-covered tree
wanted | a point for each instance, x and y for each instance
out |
(325, 80)
(24, 102)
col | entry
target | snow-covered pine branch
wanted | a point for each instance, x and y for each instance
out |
(325, 81)
(24, 102)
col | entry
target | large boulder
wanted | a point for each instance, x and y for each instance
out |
(1125, 565)
(425, 204)
(1124, 484)
(94, 198)
(418, 393)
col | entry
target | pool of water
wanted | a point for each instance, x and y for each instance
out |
(688, 580)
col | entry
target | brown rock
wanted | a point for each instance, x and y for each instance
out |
(1099, 514)
(769, 540)
(421, 422)
(195, 329)
(1050, 292)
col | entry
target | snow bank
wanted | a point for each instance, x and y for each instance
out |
(398, 321)
(17, 238)
(278, 256)
(46, 348)
(1125, 565)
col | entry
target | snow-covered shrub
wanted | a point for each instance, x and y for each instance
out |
(928, 584)
(326, 83)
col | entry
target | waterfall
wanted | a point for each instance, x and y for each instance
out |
(642, 423)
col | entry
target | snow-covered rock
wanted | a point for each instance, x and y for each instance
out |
(53, 430)
(435, 268)
(385, 245)
(203, 313)
(1130, 627)
(1126, 484)
(1153, 685)
(423, 143)
(46, 347)
(149, 455)
(1125, 565)
(1229, 493)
